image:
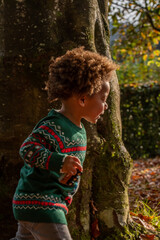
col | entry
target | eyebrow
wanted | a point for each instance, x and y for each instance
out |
(105, 91)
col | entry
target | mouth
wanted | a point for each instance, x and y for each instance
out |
(100, 115)
(97, 118)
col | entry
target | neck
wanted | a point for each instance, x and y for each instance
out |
(71, 113)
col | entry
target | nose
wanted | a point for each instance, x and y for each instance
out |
(105, 106)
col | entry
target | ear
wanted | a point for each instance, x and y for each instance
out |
(82, 101)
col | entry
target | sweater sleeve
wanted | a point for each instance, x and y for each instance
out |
(41, 149)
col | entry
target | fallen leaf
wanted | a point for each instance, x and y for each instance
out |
(145, 218)
(94, 209)
(145, 183)
(147, 237)
(95, 229)
(135, 177)
(153, 179)
(136, 165)
(133, 214)
(143, 223)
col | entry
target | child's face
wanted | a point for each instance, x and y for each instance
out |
(96, 104)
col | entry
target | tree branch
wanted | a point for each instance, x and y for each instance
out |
(151, 22)
(124, 7)
(138, 4)
(145, 10)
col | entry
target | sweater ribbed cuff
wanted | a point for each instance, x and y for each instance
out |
(56, 161)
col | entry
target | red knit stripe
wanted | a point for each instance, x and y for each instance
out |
(34, 158)
(74, 149)
(42, 140)
(47, 162)
(31, 142)
(68, 200)
(49, 130)
(36, 202)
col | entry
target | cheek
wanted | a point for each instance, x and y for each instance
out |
(100, 108)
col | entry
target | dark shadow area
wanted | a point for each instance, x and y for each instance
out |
(9, 175)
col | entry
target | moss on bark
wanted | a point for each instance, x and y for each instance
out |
(130, 232)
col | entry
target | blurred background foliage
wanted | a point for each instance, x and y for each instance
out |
(135, 45)
(140, 111)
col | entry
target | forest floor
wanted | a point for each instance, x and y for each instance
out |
(144, 197)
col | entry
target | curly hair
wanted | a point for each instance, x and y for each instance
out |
(78, 72)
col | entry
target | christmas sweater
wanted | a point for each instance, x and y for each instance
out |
(39, 196)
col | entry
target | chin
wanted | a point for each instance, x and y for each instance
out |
(94, 121)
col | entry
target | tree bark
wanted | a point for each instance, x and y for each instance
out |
(34, 31)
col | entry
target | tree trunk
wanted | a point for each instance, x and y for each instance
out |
(33, 31)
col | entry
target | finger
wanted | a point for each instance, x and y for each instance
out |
(76, 159)
(78, 166)
(72, 170)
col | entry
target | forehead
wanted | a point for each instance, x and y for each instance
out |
(105, 87)
(104, 90)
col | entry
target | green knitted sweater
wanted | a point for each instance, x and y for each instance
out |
(39, 196)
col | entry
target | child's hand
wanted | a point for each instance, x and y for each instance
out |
(71, 164)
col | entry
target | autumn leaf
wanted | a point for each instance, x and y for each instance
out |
(123, 50)
(143, 223)
(94, 209)
(147, 237)
(154, 179)
(145, 218)
(156, 52)
(95, 229)
(155, 40)
(143, 36)
(136, 165)
(135, 177)
(145, 57)
(133, 214)
(141, 216)
(149, 46)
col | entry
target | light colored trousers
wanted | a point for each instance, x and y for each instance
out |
(42, 231)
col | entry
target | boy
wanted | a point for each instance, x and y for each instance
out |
(54, 152)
